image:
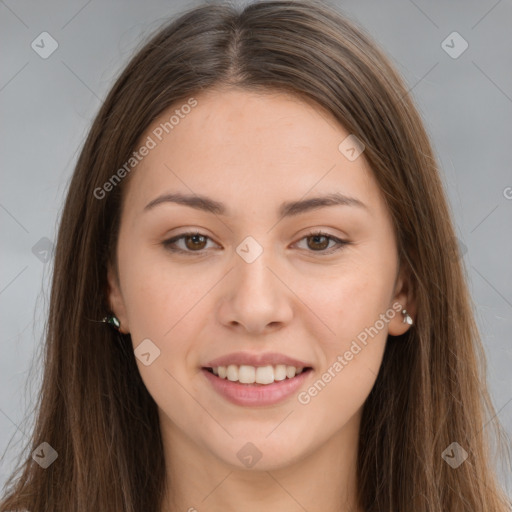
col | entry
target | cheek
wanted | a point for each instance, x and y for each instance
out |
(352, 354)
(351, 305)
(347, 300)
(169, 308)
(157, 295)
(337, 395)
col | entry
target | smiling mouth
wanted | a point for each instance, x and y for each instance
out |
(257, 375)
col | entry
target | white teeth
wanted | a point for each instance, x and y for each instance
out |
(264, 375)
(232, 372)
(246, 374)
(280, 372)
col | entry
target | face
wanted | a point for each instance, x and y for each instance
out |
(253, 275)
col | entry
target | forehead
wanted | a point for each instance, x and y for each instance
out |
(237, 146)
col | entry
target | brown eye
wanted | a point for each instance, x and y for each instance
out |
(192, 242)
(195, 242)
(319, 242)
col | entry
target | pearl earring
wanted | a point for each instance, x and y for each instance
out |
(407, 319)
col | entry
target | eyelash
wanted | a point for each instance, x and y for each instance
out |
(168, 244)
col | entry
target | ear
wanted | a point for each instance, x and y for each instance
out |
(115, 299)
(404, 295)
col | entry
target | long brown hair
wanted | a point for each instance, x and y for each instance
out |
(94, 409)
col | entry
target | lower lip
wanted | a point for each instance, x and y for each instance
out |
(256, 394)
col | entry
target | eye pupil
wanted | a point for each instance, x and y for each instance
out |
(195, 237)
(316, 237)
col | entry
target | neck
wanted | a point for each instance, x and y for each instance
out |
(320, 479)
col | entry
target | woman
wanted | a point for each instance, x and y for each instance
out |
(258, 215)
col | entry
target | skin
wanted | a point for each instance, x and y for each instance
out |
(252, 151)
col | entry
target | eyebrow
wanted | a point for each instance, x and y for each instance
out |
(287, 209)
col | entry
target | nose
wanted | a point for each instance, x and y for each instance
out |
(255, 297)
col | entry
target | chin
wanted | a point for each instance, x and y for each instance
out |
(253, 453)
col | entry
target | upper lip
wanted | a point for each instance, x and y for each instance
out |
(264, 359)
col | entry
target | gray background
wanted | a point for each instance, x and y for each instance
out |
(48, 104)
